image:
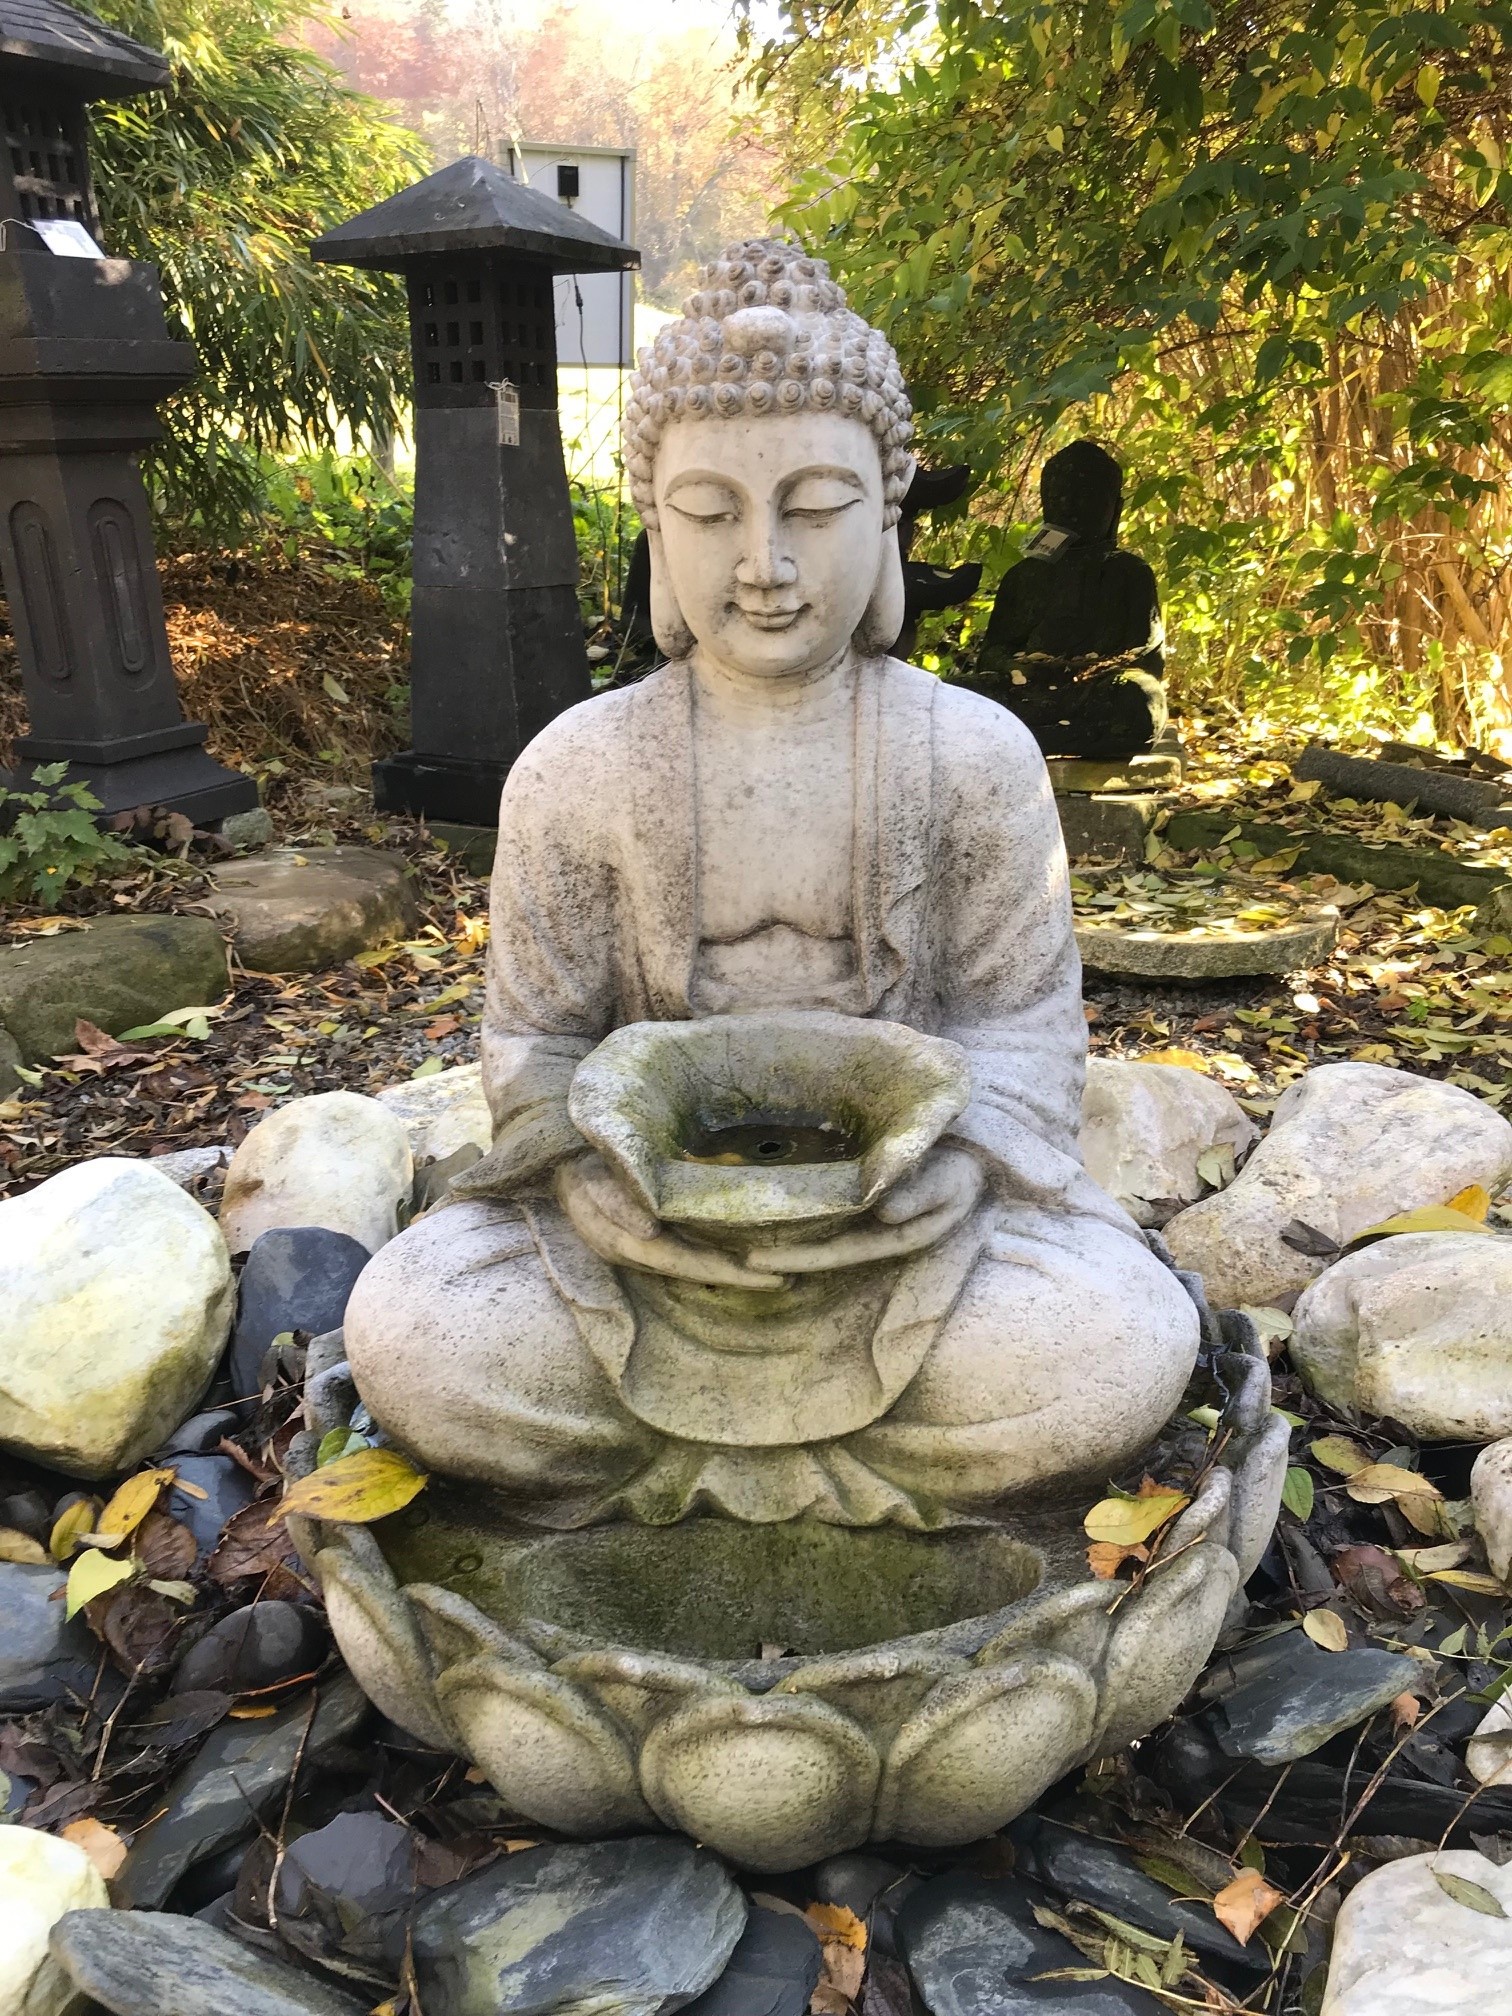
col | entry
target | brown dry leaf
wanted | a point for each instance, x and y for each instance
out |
(842, 1940)
(101, 1844)
(1245, 1904)
(1327, 1629)
(1106, 1557)
(1374, 1578)
(254, 1542)
(1405, 1710)
(165, 1547)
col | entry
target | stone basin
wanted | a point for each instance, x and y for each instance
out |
(789, 1691)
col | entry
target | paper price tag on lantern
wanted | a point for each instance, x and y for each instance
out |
(507, 397)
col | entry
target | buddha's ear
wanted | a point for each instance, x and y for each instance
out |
(667, 622)
(882, 619)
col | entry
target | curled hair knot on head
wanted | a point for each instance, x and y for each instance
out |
(768, 331)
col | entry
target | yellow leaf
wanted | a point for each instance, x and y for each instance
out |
(1429, 79)
(1379, 1481)
(16, 1546)
(837, 1922)
(1434, 1560)
(367, 1485)
(1467, 1578)
(1244, 1905)
(1427, 1218)
(1129, 1521)
(1473, 1201)
(1326, 1629)
(1191, 1059)
(131, 1504)
(1337, 1452)
(92, 1574)
(70, 1527)
(101, 1844)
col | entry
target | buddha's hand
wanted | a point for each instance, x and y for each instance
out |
(612, 1221)
(917, 1212)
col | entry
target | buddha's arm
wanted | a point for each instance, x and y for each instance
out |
(1005, 955)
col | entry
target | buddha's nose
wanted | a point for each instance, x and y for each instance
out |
(766, 564)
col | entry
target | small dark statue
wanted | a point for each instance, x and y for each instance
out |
(1075, 644)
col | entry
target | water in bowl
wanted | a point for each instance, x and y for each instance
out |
(769, 1143)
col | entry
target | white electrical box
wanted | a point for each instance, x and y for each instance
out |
(599, 183)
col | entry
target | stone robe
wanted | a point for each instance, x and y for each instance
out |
(1039, 1342)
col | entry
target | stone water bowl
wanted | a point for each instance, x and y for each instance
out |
(745, 1129)
(787, 1692)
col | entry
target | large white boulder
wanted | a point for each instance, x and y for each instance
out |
(1404, 1945)
(115, 1300)
(442, 1113)
(337, 1159)
(1491, 1500)
(1349, 1145)
(1419, 1328)
(41, 1879)
(1144, 1127)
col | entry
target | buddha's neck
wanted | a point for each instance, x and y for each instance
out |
(788, 699)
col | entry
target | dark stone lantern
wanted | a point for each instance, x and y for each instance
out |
(496, 637)
(84, 358)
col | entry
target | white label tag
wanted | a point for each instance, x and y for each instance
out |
(508, 399)
(66, 236)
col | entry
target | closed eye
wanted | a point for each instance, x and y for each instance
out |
(705, 503)
(820, 498)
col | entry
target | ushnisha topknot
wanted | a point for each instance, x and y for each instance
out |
(768, 332)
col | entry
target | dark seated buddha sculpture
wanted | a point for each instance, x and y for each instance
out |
(1075, 644)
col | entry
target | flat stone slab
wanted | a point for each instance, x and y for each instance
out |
(151, 1963)
(118, 972)
(1112, 826)
(1191, 955)
(1151, 770)
(303, 909)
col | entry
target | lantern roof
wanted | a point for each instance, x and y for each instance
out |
(472, 206)
(75, 52)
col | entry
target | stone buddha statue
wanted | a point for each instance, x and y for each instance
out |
(781, 821)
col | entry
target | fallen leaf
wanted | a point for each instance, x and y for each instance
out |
(1191, 1060)
(836, 1921)
(1337, 1452)
(130, 1505)
(70, 1526)
(842, 1942)
(1128, 1521)
(1106, 1557)
(1375, 1580)
(1468, 1578)
(1327, 1629)
(368, 1485)
(255, 1542)
(1378, 1482)
(1433, 1560)
(1305, 1238)
(1298, 1492)
(1244, 1905)
(1474, 1896)
(21, 1547)
(1216, 1165)
(165, 1547)
(101, 1844)
(92, 1574)
(1405, 1710)
(1472, 1200)
(1428, 1218)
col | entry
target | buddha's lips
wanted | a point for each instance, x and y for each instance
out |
(772, 619)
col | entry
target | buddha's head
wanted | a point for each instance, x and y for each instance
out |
(766, 441)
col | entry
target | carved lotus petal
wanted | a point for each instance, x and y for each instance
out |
(772, 1780)
(983, 1746)
(379, 1635)
(1162, 1642)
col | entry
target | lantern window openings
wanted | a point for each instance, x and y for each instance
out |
(45, 156)
(458, 348)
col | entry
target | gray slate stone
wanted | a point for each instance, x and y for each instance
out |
(1297, 1702)
(301, 910)
(226, 1487)
(772, 1972)
(1177, 955)
(297, 1277)
(255, 1647)
(117, 972)
(148, 1963)
(973, 1948)
(42, 1657)
(616, 1926)
(238, 1776)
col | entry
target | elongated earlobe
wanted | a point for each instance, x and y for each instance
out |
(882, 618)
(667, 624)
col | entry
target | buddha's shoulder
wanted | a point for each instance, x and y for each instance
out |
(971, 733)
(595, 732)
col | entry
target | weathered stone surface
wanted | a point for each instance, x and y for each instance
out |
(618, 1926)
(254, 1648)
(1148, 770)
(1404, 1945)
(117, 972)
(41, 1879)
(185, 1166)
(442, 1113)
(1349, 1145)
(1417, 1328)
(248, 832)
(43, 1657)
(297, 1278)
(1144, 1127)
(202, 1433)
(221, 1488)
(115, 1301)
(1491, 1496)
(974, 1948)
(1191, 955)
(1114, 827)
(300, 910)
(10, 1058)
(336, 1159)
(237, 1776)
(152, 1963)
(346, 1893)
(1302, 1695)
(772, 1972)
